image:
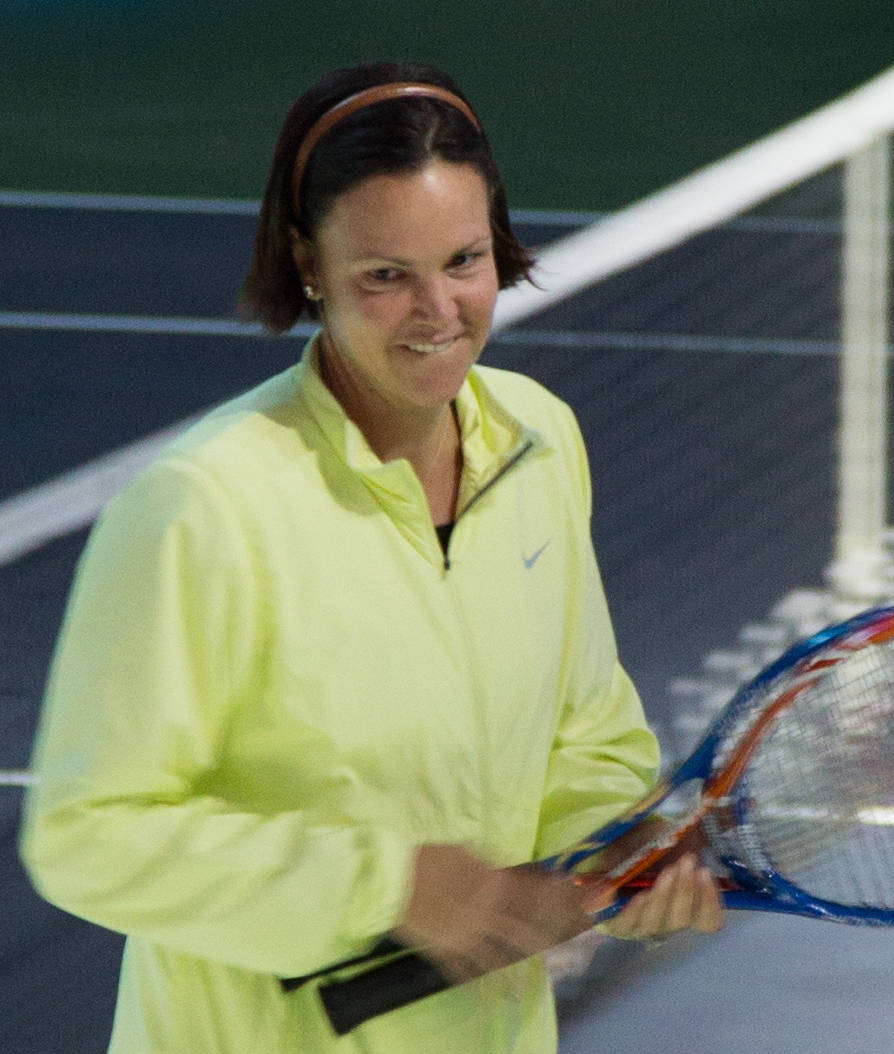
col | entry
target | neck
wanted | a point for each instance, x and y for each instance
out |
(422, 442)
(434, 450)
(427, 437)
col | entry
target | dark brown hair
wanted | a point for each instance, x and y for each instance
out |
(402, 134)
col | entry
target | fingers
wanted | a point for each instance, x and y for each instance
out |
(472, 919)
(527, 911)
(549, 908)
(685, 896)
(709, 907)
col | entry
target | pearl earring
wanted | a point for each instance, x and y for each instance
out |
(311, 293)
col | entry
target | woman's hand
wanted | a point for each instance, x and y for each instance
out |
(684, 896)
(471, 919)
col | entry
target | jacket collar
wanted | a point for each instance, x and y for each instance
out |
(491, 436)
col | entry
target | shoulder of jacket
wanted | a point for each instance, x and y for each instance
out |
(501, 381)
(217, 456)
(527, 399)
(230, 438)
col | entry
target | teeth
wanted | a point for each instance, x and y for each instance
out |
(430, 349)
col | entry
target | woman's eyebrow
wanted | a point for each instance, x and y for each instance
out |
(373, 255)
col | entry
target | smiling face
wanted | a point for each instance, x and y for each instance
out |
(403, 265)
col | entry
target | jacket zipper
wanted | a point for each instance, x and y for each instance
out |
(510, 464)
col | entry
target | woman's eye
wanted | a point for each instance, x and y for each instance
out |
(465, 259)
(383, 275)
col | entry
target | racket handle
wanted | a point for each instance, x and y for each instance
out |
(383, 988)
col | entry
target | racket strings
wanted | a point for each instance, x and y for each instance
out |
(815, 807)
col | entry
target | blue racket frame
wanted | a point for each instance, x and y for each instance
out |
(770, 891)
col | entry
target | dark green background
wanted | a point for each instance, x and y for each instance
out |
(589, 104)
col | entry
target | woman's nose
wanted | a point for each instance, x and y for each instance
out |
(435, 299)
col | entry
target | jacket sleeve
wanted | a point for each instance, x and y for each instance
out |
(164, 630)
(604, 757)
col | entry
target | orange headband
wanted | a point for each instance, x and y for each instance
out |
(343, 109)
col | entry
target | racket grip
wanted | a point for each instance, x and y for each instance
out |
(350, 1002)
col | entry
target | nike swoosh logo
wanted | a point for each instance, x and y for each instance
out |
(529, 561)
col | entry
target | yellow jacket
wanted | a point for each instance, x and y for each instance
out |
(270, 687)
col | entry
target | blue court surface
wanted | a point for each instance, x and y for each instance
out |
(705, 382)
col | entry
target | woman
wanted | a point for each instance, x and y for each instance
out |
(341, 658)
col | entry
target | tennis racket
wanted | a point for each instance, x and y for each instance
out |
(791, 788)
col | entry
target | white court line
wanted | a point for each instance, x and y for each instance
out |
(74, 499)
(32, 199)
(221, 327)
(150, 324)
(681, 342)
(16, 778)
